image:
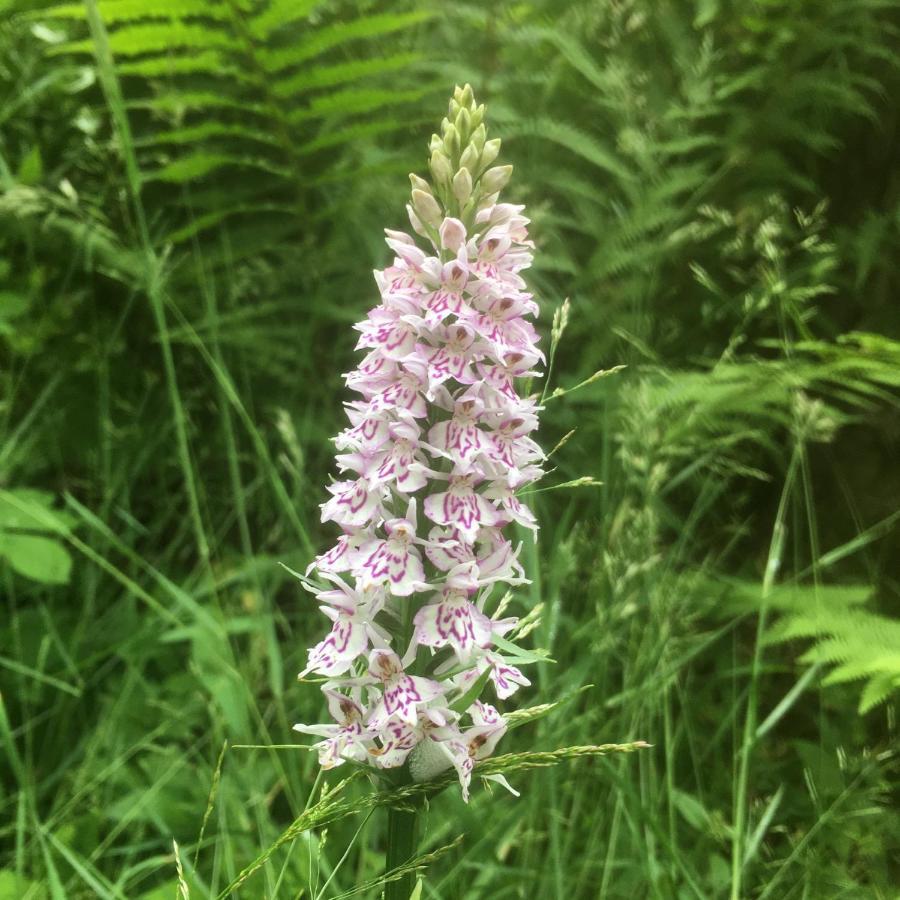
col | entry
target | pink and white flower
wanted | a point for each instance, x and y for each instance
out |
(392, 560)
(461, 507)
(346, 740)
(438, 424)
(403, 694)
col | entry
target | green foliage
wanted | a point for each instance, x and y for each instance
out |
(26, 522)
(858, 643)
(248, 92)
(187, 230)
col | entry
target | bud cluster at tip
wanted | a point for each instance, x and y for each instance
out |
(461, 167)
(433, 461)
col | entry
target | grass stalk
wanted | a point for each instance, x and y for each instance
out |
(153, 268)
(773, 563)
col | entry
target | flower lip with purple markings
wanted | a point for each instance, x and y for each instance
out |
(433, 462)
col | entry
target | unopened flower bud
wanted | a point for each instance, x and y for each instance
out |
(463, 125)
(479, 133)
(453, 234)
(453, 110)
(462, 185)
(477, 115)
(416, 223)
(436, 143)
(427, 208)
(440, 167)
(419, 183)
(490, 152)
(469, 158)
(495, 179)
(465, 98)
(451, 142)
(486, 201)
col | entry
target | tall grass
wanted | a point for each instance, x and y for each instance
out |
(712, 187)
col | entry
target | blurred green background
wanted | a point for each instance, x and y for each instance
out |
(192, 197)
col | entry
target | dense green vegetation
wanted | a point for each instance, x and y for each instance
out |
(192, 195)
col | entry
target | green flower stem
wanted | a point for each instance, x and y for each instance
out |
(402, 842)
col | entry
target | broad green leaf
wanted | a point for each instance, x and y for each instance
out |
(39, 558)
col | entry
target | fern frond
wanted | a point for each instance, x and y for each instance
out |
(115, 12)
(256, 86)
(573, 139)
(337, 35)
(193, 134)
(279, 14)
(154, 37)
(211, 62)
(342, 73)
(356, 100)
(196, 165)
(858, 644)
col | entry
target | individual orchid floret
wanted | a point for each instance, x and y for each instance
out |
(452, 620)
(402, 694)
(393, 560)
(346, 740)
(353, 632)
(432, 466)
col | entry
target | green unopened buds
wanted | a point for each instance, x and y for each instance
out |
(451, 142)
(462, 186)
(427, 208)
(490, 152)
(495, 179)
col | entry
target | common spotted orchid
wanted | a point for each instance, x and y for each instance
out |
(432, 466)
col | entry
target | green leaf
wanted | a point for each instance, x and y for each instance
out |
(116, 11)
(355, 100)
(517, 654)
(31, 510)
(278, 14)
(693, 811)
(463, 702)
(39, 558)
(878, 690)
(194, 134)
(12, 305)
(31, 169)
(212, 61)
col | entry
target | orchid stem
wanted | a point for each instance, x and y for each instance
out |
(402, 840)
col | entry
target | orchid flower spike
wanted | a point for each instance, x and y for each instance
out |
(432, 462)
